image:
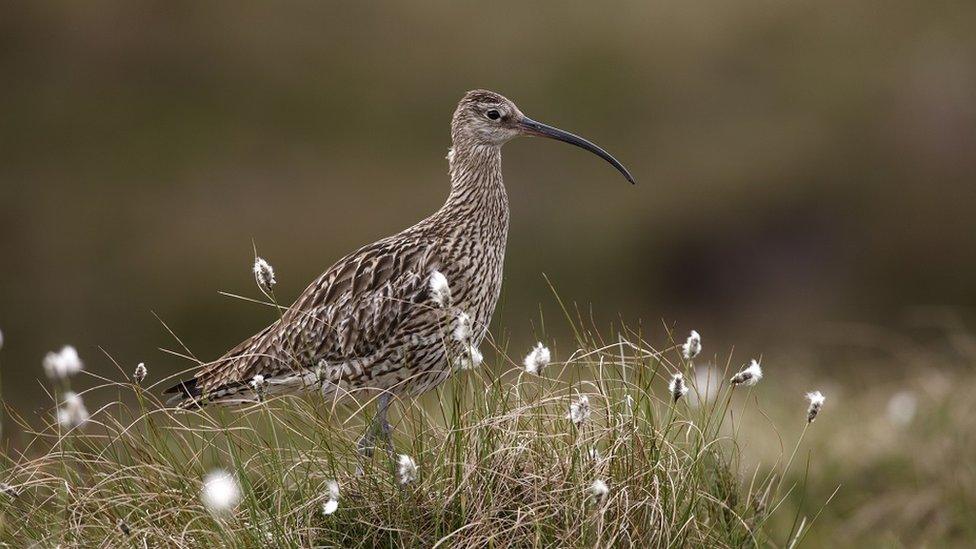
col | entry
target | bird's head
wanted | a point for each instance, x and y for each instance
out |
(486, 118)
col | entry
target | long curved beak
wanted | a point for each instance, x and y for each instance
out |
(531, 127)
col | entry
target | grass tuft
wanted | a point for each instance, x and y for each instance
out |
(499, 463)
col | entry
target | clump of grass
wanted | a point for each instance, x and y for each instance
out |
(491, 458)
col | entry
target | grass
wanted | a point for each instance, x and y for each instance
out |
(500, 465)
(903, 481)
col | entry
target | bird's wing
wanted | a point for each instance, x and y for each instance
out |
(351, 311)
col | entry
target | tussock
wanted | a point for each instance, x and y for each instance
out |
(489, 458)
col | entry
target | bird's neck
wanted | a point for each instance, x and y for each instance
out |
(478, 194)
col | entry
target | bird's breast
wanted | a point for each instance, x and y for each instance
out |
(477, 278)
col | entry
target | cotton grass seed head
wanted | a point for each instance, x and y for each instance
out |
(332, 503)
(264, 274)
(260, 386)
(470, 358)
(440, 290)
(406, 469)
(677, 387)
(750, 376)
(816, 399)
(220, 493)
(141, 372)
(62, 364)
(692, 346)
(579, 411)
(598, 490)
(537, 359)
(462, 329)
(330, 506)
(902, 407)
(72, 412)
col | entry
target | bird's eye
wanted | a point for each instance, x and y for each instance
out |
(493, 114)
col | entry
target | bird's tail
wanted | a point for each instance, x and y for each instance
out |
(188, 394)
(219, 381)
(185, 394)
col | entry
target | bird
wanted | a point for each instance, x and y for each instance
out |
(400, 315)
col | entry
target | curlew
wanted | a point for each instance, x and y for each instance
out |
(400, 315)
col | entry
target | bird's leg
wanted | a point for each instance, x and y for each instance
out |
(380, 425)
(383, 406)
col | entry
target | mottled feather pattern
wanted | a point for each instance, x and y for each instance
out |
(369, 321)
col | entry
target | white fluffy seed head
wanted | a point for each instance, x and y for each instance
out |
(579, 411)
(470, 358)
(264, 274)
(462, 329)
(440, 290)
(902, 407)
(406, 469)
(598, 489)
(72, 413)
(692, 346)
(220, 492)
(537, 359)
(330, 506)
(260, 385)
(332, 503)
(677, 387)
(816, 399)
(332, 487)
(62, 364)
(141, 372)
(750, 376)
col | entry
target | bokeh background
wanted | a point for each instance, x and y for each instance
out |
(802, 165)
(807, 170)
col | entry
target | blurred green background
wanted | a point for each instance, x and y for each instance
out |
(802, 166)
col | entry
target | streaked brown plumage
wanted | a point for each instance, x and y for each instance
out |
(369, 322)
